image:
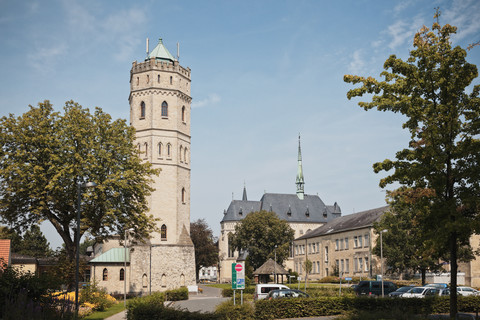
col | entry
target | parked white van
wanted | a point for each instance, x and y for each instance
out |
(262, 290)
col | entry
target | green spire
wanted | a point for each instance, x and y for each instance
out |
(300, 182)
(161, 52)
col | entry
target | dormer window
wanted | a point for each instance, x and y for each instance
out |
(240, 212)
(289, 212)
(325, 213)
(307, 213)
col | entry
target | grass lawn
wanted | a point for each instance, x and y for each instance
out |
(100, 315)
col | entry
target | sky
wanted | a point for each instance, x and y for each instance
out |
(263, 72)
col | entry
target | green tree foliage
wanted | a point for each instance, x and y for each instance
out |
(443, 155)
(405, 247)
(45, 155)
(33, 242)
(206, 251)
(258, 233)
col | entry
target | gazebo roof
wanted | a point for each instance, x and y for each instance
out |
(270, 267)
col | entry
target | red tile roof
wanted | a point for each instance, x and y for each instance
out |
(5, 253)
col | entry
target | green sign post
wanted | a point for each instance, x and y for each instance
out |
(238, 279)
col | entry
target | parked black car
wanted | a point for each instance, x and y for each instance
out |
(400, 291)
(374, 288)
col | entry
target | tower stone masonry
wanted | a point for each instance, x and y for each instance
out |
(160, 105)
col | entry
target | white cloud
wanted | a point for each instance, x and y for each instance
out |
(43, 58)
(212, 98)
(465, 15)
(357, 64)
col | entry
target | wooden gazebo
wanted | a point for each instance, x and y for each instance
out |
(269, 268)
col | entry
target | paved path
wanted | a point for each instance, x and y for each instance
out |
(203, 302)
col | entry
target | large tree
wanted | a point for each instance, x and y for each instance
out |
(206, 250)
(259, 233)
(430, 90)
(45, 155)
(405, 247)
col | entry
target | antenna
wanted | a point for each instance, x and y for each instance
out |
(147, 47)
(178, 51)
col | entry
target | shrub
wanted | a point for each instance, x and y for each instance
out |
(227, 311)
(228, 292)
(176, 294)
(96, 297)
(145, 307)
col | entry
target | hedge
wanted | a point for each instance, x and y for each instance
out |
(176, 294)
(310, 307)
(228, 292)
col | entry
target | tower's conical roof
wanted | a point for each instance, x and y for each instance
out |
(161, 52)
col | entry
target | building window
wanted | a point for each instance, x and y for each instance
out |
(122, 274)
(183, 114)
(105, 274)
(163, 232)
(360, 264)
(148, 78)
(159, 149)
(171, 80)
(163, 281)
(144, 281)
(366, 242)
(180, 155)
(142, 110)
(326, 255)
(355, 242)
(360, 241)
(318, 247)
(169, 150)
(318, 266)
(184, 196)
(341, 244)
(158, 78)
(337, 244)
(367, 267)
(164, 109)
(346, 243)
(138, 80)
(231, 250)
(347, 265)
(146, 149)
(185, 154)
(309, 248)
(342, 266)
(313, 247)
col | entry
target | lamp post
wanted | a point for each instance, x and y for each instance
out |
(381, 258)
(77, 237)
(125, 267)
(275, 266)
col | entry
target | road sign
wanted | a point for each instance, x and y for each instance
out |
(348, 279)
(238, 275)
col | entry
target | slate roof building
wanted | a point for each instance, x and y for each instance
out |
(344, 244)
(303, 212)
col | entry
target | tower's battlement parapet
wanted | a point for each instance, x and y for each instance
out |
(160, 65)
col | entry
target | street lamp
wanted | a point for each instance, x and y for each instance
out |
(125, 267)
(77, 237)
(381, 258)
(275, 266)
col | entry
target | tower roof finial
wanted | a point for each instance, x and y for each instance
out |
(300, 181)
(244, 198)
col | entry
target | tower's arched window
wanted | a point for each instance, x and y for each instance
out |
(163, 232)
(163, 281)
(148, 78)
(183, 113)
(105, 274)
(169, 150)
(184, 195)
(185, 154)
(171, 80)
(144, 280)
(158, 78)
(122, 274)
(160, 147)
(138, 80)
(180, 153)
(142, 110)
(146, 148)
(164, 109)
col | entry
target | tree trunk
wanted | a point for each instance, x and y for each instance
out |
(424, 276)
(453, 275)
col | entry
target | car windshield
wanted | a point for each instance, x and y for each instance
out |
(404, 289)
(416, 290)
